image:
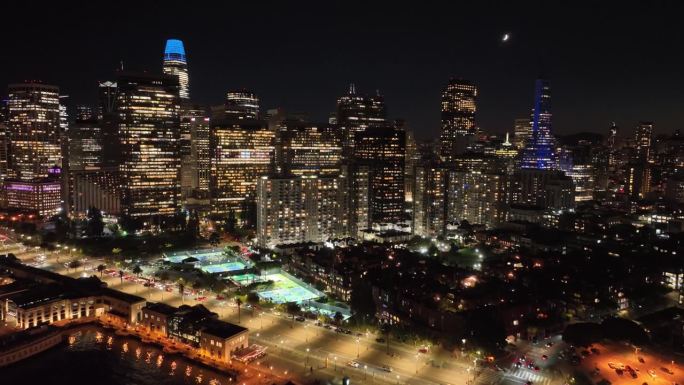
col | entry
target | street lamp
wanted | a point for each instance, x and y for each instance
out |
(335, 363)
(357, 347)
(307, 357)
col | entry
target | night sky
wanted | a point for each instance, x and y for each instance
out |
(621, 61)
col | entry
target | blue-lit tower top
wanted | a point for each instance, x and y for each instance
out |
(176, 64)
(174, 50)
(539, 152)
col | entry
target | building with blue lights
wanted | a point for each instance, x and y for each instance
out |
(176, 64)
(539, 182)
(538, 151)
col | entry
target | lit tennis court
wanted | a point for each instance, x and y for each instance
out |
(212, 261)
(246, 279)
(203, 256)
(286, 290)
(223, 267)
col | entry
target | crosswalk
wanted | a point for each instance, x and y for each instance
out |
(524, 375)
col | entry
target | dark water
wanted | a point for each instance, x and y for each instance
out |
(98, 356)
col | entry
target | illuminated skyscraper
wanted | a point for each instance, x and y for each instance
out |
(149, 131)
(241, 104)
(241, 152)
(34, 130)
(458, 117)
(84, 145)
(538, 151)
(612, 144)
(304, 148)
(643, 137)
(194, 126)
(355, 113)
(377, 173)
(539, 182)
(89, 180)
(200, 155)
(430, 200)
(638, 180)
(176, 64)
(522, 130)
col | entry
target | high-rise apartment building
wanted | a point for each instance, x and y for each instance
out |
(34, 130)
(430, 200)
(176, 65)
(458, 117)
(34, 143)
(295, 209)
(545, 189)
(200, 156)
(643, 138)
(477, 197)
(356, 113)
(194, 125)
(241, 152)
(377, 177)
(522, 131)
(411, 160)
(304, 148)
(149, 130)
(84, 140)
(638, 180)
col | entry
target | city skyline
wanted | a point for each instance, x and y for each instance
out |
(405, 56)
(342, 193)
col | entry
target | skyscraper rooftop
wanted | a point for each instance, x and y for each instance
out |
(174, 50)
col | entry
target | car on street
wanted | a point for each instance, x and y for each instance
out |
(354, 364)
(380, 340)
(386, 368)
(300, 319)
